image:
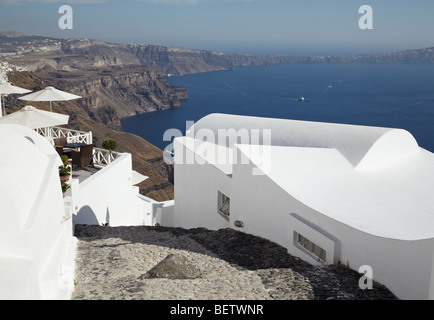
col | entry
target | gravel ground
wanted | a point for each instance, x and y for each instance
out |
(111, 262)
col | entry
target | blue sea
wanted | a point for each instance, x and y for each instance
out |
(386, 95)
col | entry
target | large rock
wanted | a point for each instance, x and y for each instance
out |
(174, 266)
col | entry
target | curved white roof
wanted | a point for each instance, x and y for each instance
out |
(394, 201)
(363, 146)
(377, 180)
(23, 163)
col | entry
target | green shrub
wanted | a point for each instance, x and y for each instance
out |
(64, 170)
(110, 144)
(65, 186)
(64, 158)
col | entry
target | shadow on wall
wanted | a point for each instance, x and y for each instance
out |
(86, 216)
(107, 217)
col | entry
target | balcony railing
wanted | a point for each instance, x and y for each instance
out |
(103, 157)
(72, 136)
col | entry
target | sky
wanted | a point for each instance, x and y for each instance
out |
(294, 27)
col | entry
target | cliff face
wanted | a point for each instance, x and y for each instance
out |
(112, 93)
(168, 60)
(36, 52)
(179, 61)
(418, 56)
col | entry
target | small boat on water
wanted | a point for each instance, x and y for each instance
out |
(303, 99)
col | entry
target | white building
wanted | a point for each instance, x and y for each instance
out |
(329, 193)
(37, 249)
(37, 246)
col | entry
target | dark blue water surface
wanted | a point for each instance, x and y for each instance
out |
(397, 96)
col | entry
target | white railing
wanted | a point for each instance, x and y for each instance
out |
(72, 136)
(103, 157)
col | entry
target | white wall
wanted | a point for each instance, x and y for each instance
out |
(266, 210)
(149, 210)
(164, 213)
(405, 267)
(196, 192)
(36, 241)
(261, 205)
(109, 197)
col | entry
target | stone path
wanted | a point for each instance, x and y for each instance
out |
(111, 262)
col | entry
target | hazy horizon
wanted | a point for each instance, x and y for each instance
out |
(287, 27)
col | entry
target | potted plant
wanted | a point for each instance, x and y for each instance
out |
(64, 159)
(65, 187)
(64, 172)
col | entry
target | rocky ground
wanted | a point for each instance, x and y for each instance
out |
(114, 263)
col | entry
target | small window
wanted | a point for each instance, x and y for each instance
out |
(224, 205)
(310, 246)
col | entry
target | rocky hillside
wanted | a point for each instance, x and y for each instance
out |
(147, 159)
(179, 61)
(112, 93)
(85, 54)
(417, 56)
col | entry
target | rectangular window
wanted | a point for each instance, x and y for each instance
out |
(310, 246)
(224, 205)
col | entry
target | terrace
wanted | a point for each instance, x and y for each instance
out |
(100, 157)
(89, 184)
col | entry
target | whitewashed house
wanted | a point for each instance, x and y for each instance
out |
(329, 193)
(37, 248)
(37, 245)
